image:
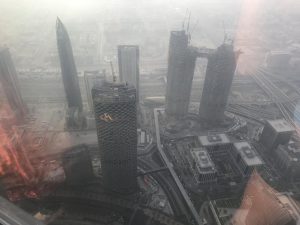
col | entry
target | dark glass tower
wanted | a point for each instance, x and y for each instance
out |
(68, 67)
(220, 70)
(116, 122)
(181, 66)
(9, 84)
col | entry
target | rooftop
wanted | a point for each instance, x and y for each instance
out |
(248, 154)
(280, 125)
(113, 92)
(128, 47)
(291, 151)
(203, 160)
(224, 209)
(213, 139)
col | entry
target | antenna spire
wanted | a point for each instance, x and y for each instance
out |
(188, 25)
(183, 23)
(224, 30)
(113, 72)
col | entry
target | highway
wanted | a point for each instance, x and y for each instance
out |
(96, 200)
(253, 112)
(174, 197)
(287, 106)
(185, 196)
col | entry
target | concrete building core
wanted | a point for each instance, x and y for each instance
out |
(116, 123)
(220, 70)
(181, 66)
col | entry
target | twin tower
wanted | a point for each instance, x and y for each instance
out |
(220, 70)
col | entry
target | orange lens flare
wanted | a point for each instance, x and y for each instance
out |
(14, 146)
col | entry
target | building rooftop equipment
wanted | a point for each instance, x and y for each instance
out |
(248, 154)
(113, 92)
(213, 139)
(203, 161)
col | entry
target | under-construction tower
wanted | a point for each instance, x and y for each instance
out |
(10, 89)
(116, 122)
(220, 70)
(181, 66)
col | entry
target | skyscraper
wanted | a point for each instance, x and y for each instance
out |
(181, 66)
(68, 67)
(116, 122)
(219, 75)
(128, 59)
(10, 85)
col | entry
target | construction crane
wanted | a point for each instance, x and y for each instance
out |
(113, 72)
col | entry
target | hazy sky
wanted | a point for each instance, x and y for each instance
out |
(16, 15)
(241, 18)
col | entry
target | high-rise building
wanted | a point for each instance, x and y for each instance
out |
(220, 70)
(10, 89)
(203, 165)
(181, 66)
(68, 67)
(276, 132)
(246, 157)
(128, 59)
(116, 122)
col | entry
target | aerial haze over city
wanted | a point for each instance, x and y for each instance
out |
(133, 112)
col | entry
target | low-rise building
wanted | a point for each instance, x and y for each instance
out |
(203, 164)
(246, 157)
(214, 141)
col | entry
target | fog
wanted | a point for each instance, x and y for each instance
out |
(230, 75)
(27, 26)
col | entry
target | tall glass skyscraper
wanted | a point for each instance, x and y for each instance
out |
(116, 122)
